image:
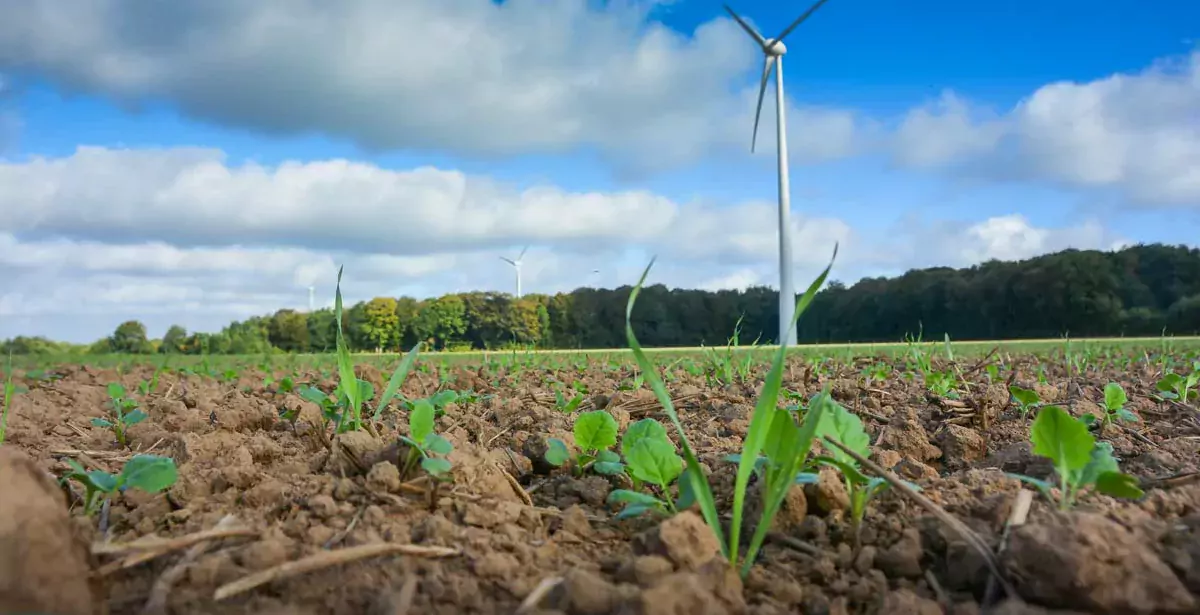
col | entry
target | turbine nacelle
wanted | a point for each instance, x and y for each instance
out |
(774, 48)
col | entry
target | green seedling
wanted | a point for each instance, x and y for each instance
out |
(1025, 399)
(1080, 462)
(942, 384)
(876, 373)
(426, 447)
(150, 473)
(993, 372)
(773, 433)
(147, 387)
(1114, 407)
(335, 407)
(125, 413)
(284, 385)
(594, 432)
(841, 425)
(1178, 388)
(566, 405)
(438, 400)
(650, 458)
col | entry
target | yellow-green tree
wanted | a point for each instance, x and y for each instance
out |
(381, 324)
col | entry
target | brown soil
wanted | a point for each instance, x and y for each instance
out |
(510, 529)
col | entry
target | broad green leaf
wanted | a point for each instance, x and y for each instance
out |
(1127, 416)
(1025, 397)
(102, 423)
(636, 510)
(115, 390)
(1062, 439)
(150, 473)
(102, 480)
(608, 457)
(643, 429)
(845, 427)
(1168, 382)
(1114, 397)
(420, 420)
(654, 461)
(625, 496)
(1101, 461)
(437, 445)
(435, 466)
(556, 452)
(397, 380)
(595, 430)
(313, 394)
(1043, 486)
(1119, 485)
(608, 468)
(133, 418)
(442, 398)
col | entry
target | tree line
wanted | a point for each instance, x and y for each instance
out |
(1142, 290)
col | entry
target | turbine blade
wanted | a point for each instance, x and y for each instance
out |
(523, 251)
(747, 27)
(508, 261)
(788, 30)
(768, 62)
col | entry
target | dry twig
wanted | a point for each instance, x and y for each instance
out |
(326, 559)
(160, 593)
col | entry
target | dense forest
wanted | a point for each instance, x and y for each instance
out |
(1140, 290)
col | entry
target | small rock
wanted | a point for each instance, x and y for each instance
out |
(829, 494)
(384, 476)
(1084, 561)
(575, 520)
(865, 560)
(588, 593)
(645, 570)
(904, 601)
(684, 539)
(322, 506)
(903, 559)
(961, 446)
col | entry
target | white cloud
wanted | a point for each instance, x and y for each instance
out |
(1136, 133)
(179, 236)
(469, 76)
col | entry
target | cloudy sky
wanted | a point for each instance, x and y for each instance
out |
(197, 161)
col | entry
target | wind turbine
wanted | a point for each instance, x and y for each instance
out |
(773, 51)
(311, 302)
(516, 264)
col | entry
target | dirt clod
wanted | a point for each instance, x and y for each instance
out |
(684, 539)
(44, 564)
(1084, 561)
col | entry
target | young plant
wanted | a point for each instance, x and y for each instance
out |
(565, 405)
(125, 413)
(773, 433)
(1178, 388)
(942, 384)
(843, 426)
(1081, 463)
(650, 458)
(1026, 399)
(425, 445)
(1114, 407)
(150, 473)
(595, 432)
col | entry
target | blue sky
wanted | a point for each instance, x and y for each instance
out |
(197, 162)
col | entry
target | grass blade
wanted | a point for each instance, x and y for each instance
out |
(397, 379)
(345, 363)
(764, 411)
(693, 474)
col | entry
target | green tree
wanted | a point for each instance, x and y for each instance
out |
(380, 322)
(288, 331)
(174, 341)
(130, 338)
(440, 320)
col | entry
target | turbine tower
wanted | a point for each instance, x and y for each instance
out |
(516, 264)
(311, 303)
(773, 51)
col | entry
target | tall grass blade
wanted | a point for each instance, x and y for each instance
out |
(397, 379)
(349, 380)
(764, 412)
(692, 472)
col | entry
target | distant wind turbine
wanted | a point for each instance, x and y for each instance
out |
(311, 301)
(516, 264)
(773, 51)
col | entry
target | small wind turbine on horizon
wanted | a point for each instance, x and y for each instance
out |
(773, 50)
(516, 264)
(311, 298)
